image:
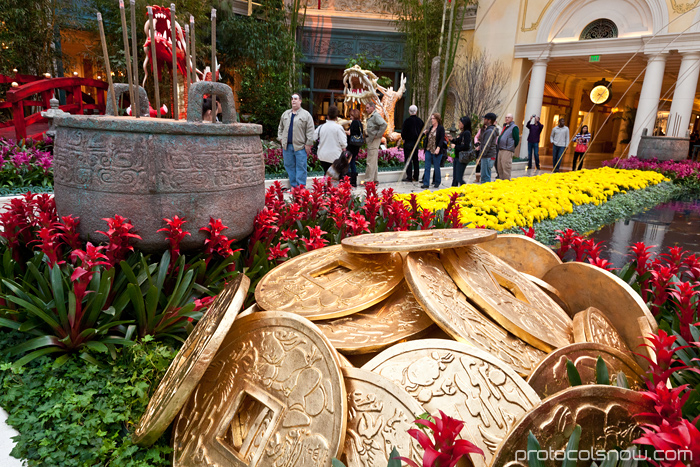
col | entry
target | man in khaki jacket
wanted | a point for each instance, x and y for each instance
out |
(296, 133)
(374, 130)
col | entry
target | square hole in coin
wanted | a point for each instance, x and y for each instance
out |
(245, 434)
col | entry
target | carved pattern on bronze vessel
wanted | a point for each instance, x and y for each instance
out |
(449, 308)
(463, 381)
(112, 163)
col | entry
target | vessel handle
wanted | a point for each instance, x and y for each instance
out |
(195, 100)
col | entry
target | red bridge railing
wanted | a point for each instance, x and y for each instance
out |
(21, 97)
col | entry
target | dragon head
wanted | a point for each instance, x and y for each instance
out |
(164, 39)
(360, 85)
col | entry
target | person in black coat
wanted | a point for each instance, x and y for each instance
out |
(410, 134)
(354, 130)
(462, 143)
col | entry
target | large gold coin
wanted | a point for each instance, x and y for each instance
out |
(191, 362)
(551, 376)
(462, 381)
(509, 298)
(396, 319)
(591, 325)
(550, 291)
(449, 308)
(329, 283)
(273, 396)
(416, 240)
(583, 285)
(379, 415)
(523, 253)
(609, 417)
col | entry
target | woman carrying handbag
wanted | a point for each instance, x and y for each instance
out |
(582, 141)
(356, 140)
(464, 151)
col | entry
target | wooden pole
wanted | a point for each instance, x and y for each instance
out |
(154, 60)
(194, 54)
(136, 104)
(127, 54)
(214, 107)
(187, 58)
(173, 36)
(106, 58)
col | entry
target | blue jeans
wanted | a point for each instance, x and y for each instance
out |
(457, 171)
(557, 153)
(533, 148)
(295, 164)
(432, 159)
(486, 166)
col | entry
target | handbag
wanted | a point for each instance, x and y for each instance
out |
(580, 147)
(357, 140)
(466, 157)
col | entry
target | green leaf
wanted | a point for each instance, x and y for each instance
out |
(336, 463)
(622, 380)
(571, 447)
(33, 344)
(394, 460)
(139, 307)
(533, 447)
(601, 372)
(572, 372)
(8, 323)
(41, 314)
(37, 353)
(97, 346)
(59, 295)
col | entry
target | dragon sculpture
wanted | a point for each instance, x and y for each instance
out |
(163, 27)
(361, 87)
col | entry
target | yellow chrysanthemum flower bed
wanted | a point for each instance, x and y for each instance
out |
(521, 202)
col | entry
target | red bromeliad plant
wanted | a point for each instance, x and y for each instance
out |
(445, 448)
(175, 235)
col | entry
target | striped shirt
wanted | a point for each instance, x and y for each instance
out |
(582, 138)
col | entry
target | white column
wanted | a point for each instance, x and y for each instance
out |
(684, 95)
(535, 94)
(648, 100)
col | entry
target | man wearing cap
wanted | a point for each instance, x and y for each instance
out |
(488, 145)
(296, 133)
(507, 142)
(533, 141)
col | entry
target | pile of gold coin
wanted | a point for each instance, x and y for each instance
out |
(347, 345)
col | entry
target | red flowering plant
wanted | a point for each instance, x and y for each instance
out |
(445, 448)
(67, 296)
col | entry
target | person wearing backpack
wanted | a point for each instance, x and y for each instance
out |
(356, 139)
(463, 151)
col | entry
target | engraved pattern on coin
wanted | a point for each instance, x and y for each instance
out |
(609, 417)
(273, 396)
(379, 415)
(449, 308)
(396, 319)
(551, 376)
(416, 240)
(596, 327)
(460, 380)
(509, 298)
(329, 283)
(524, 254)
(192, 360)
